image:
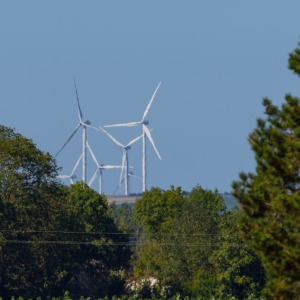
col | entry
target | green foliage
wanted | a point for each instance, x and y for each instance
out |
(239, 271)
(30, 208)
(53, 238)
(196, 250)
(123, 218)
(270, 198)
(180, 232)
(101, 252)
(294, 61)
(156, 208)
(66, 296)
(190, 240)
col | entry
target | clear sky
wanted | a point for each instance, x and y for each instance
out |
(216, 61)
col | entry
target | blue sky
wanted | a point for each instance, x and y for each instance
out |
(216, 61)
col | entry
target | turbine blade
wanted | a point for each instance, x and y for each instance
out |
(68, 140)
(149, 104)
(94, 177)
(78, 105)
(147, 131)
(134, 140)
(92, 154)
(63, 176)
(76, 165)
(93, 127)
(122, 180)
(132, 175)
(112, 138)
(123, 164)
(124, 124)
(116, 189)
(110, 167)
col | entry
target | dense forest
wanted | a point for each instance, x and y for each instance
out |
(59, 241)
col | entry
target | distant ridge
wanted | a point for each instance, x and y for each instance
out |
(229, 199)
(122, 199)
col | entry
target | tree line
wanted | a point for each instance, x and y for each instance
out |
(57, 239)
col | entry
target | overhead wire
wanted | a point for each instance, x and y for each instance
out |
(133, 241)
(131, 244)
(108, 233)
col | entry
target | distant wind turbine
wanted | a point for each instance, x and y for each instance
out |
(72, 176)
(125, 164)
(99, 170)
(146, 133)
(82, 124)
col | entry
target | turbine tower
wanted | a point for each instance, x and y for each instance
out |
(146, 133)
(82, 124)
(125, 164)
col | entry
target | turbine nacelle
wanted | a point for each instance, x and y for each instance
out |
(145, 122)
(87, 122)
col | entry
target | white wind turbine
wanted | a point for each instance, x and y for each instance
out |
(99, 170)
(72, 176)
(146, 133)
(125, 164)
(82, 124)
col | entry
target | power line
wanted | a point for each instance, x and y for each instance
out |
(109, 233)
(109, 243)
(64, 232)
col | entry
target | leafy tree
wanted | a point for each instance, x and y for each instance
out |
(177, 247)
(123, 218)
(153, 211)
(157, 207)
(30, 208)
(238, 269)
(270, 198)
(52, 237)
(102, 251)
(193, 237)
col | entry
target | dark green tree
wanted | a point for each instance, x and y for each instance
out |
(156, 208)
(99, 252)
(238, 269)
(31, 203)
(270, 197)
(52, 237)
(123, 218)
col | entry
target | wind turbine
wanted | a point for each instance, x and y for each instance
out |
(125, 164)
(99, 170)
(82, 124)
(72, 176)
(146, 133)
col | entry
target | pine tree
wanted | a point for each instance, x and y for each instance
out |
(270, 197)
